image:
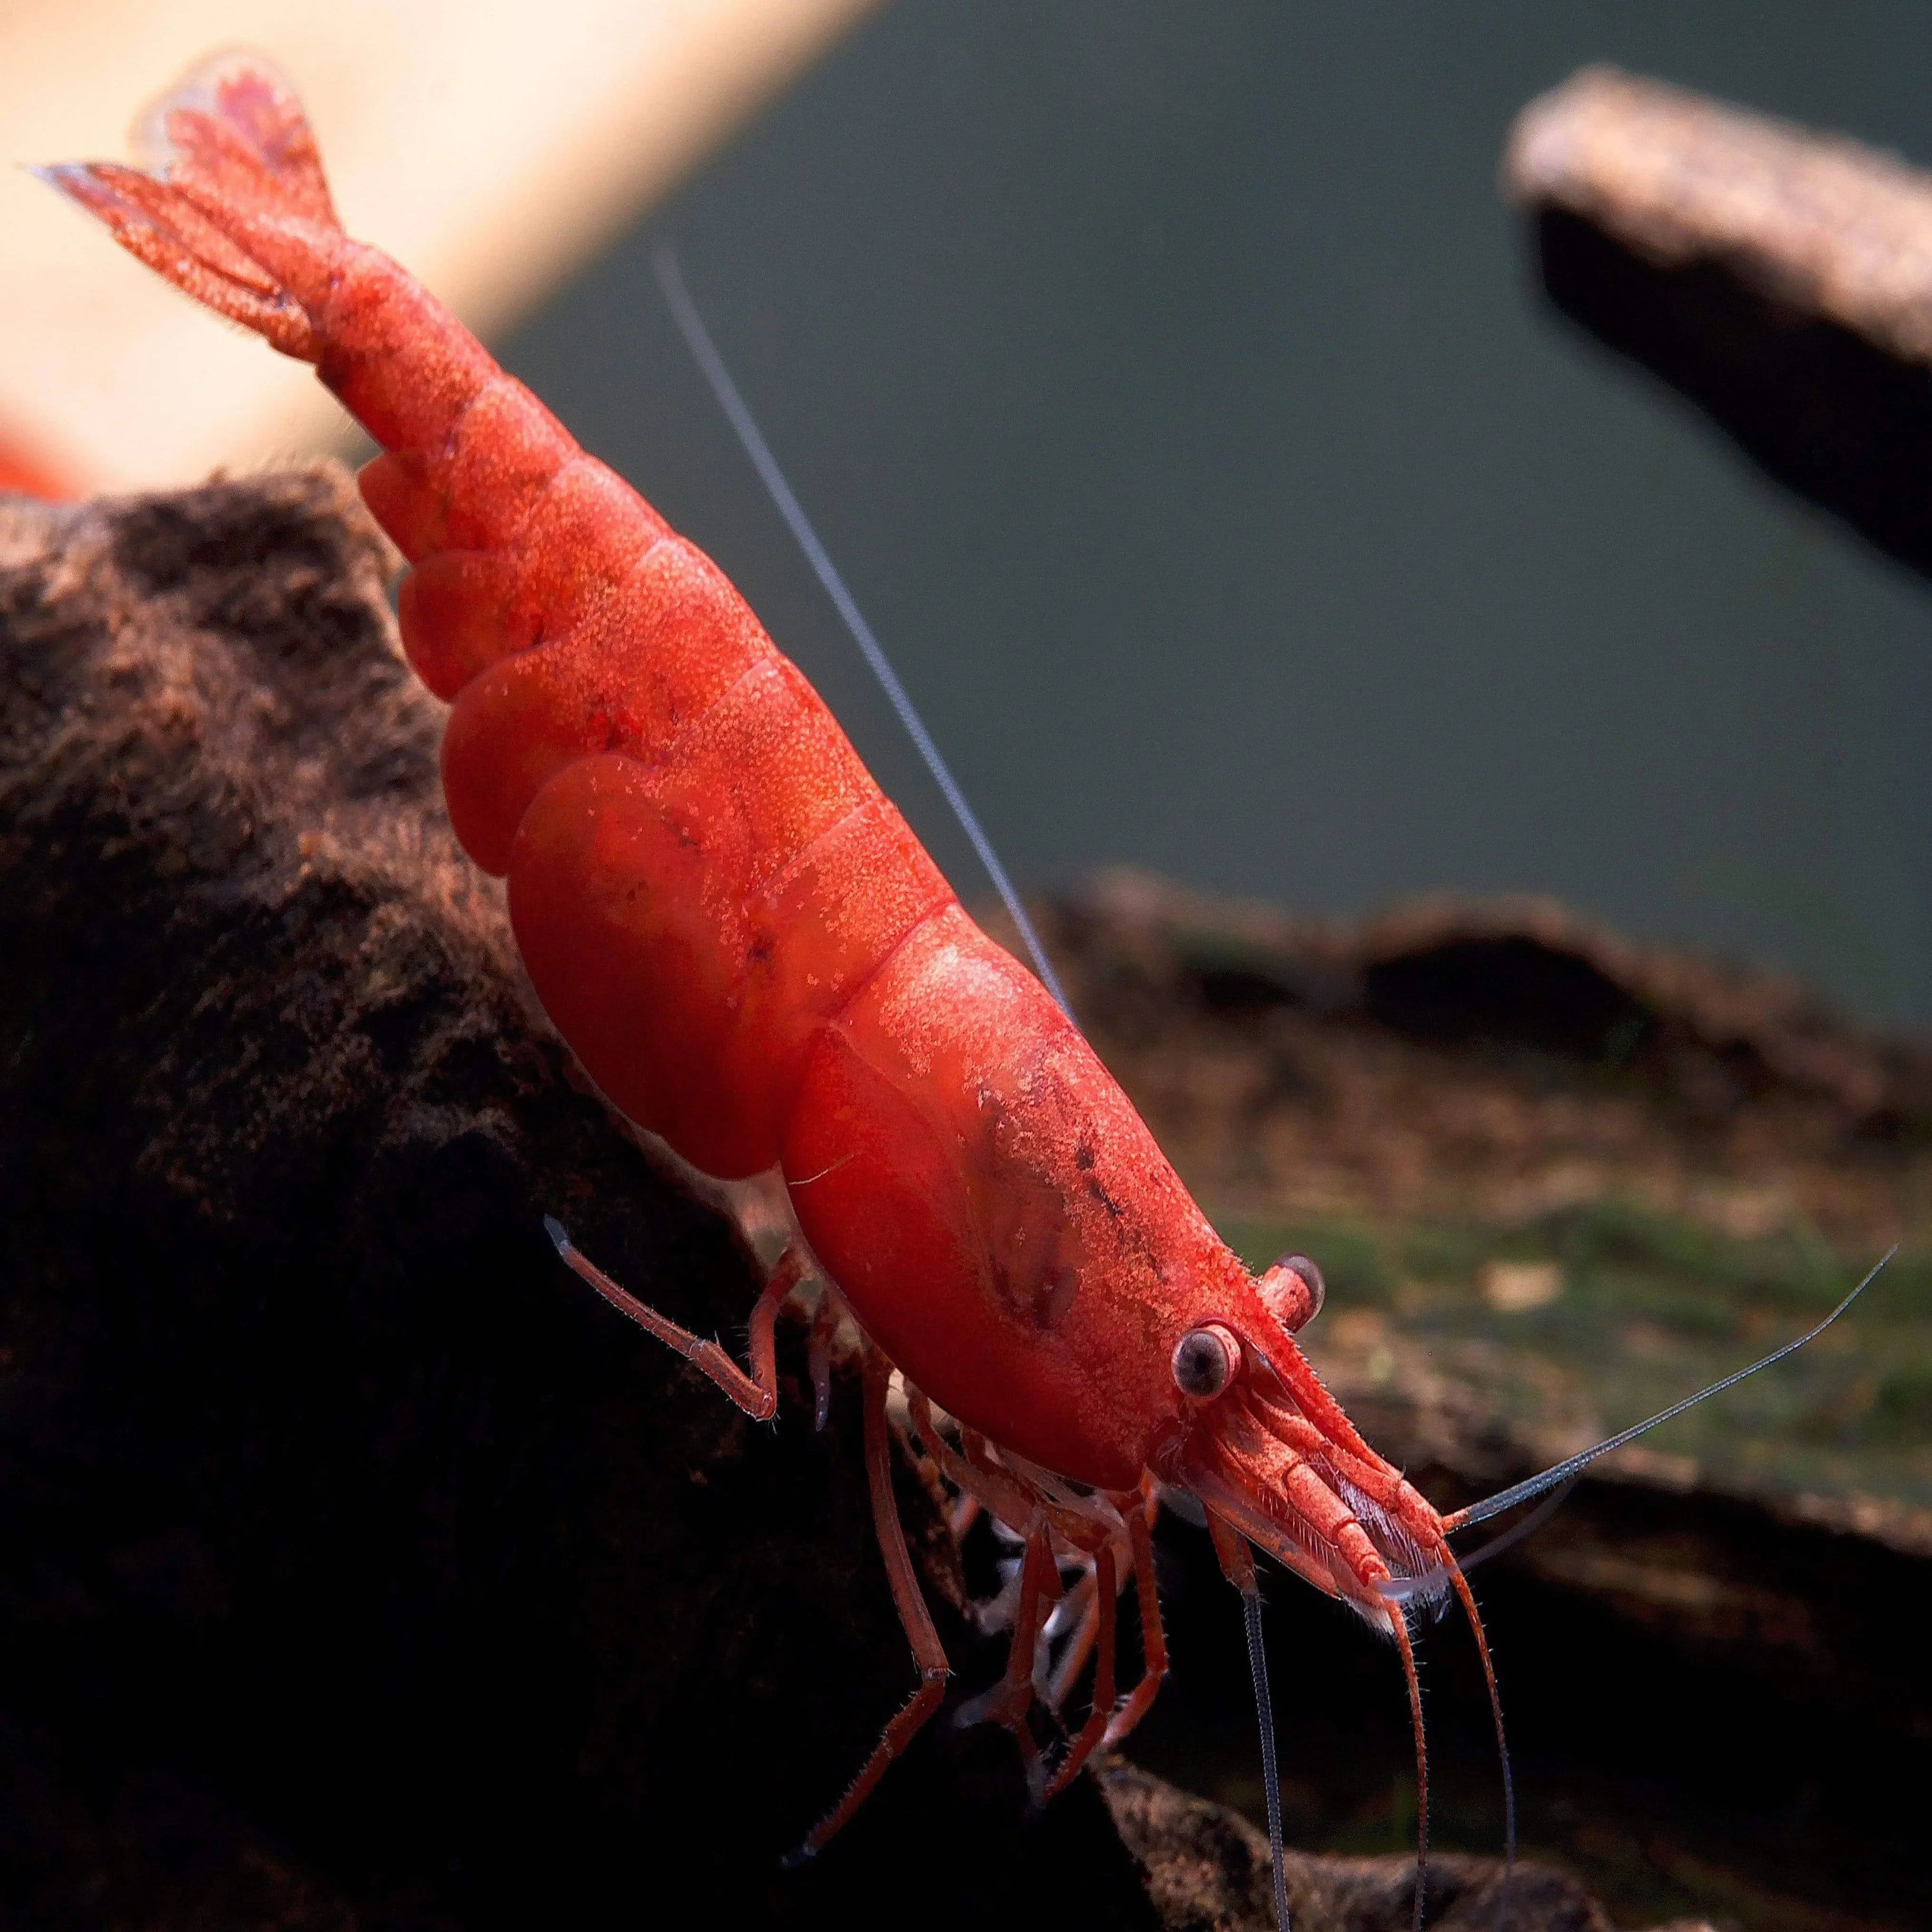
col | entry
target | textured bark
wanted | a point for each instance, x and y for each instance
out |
(357, 1567)
(1208, 1871)
(359, 1562)
(1453, 1056)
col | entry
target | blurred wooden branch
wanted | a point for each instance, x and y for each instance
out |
(490, 145)
(1781, 279)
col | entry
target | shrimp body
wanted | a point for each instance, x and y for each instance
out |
(754, 957)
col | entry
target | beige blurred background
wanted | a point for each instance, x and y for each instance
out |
(490, 145)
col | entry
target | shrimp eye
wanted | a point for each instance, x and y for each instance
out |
(1204, 1360)
(1294, 1291)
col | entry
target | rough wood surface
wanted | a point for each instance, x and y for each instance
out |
(1780, 277)
(1208, 1871)
(1502, 1057)
(1824, 223)
(358, 1569)
(346, 1537)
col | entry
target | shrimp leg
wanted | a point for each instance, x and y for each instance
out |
(1081, 1608)
(1153, 1633)
(927, 1651)
(1103, 1611)
(991, 1487)
(1008, 1701)
(756, 1394)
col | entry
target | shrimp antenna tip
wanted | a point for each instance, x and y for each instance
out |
(553, 1228)
(1564, 1470)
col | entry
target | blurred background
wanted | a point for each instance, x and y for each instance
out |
(1172, 385)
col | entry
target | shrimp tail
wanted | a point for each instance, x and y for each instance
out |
(231, 161)
(232, 207)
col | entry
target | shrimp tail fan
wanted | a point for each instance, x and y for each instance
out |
(233, 206)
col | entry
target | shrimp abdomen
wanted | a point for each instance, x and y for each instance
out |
(701, 870)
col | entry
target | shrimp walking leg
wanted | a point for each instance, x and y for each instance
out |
(756, 1394)
(1083, 1609)
(1009, 1700)
(995, 1489)
(1080, 1610)
(927, 1651)
(1153, 1633)
(1103, 1612)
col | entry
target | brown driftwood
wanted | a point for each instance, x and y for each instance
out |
(344, 1531)
(1208, 1871)
(359, 1568)
(1455, 1055)
(1779, 278)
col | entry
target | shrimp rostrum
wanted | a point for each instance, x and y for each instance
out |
(754, 958)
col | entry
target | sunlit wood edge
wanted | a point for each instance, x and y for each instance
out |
(491, 145)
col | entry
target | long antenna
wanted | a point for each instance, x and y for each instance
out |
(1521, 1492)
(1251, 1619)
(697, 339)
(1429, 1583)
